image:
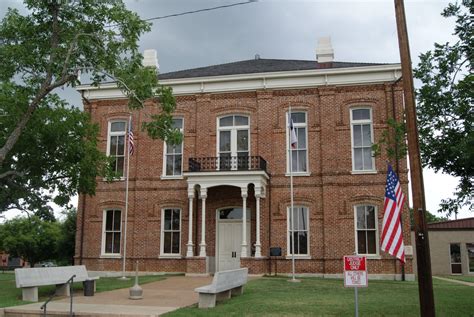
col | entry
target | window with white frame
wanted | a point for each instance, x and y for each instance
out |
(173, 160)
(298, 224)
(112, 231)
(362, 139)
(366, 229)
(233, 142)
(116, 145)
(171, 231)
(299, 152)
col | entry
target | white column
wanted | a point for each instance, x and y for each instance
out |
(243, 252)
(189, 252)
(202, 245)
(258, 252)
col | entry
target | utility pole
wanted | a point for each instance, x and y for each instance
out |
(425, 282)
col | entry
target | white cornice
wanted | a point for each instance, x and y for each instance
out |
(274, 80)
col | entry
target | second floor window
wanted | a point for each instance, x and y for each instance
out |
(116, 145)
(362, 139)
(299, 152)
(173, 160)
(233, 142)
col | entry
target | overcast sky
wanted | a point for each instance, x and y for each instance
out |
(361, 31)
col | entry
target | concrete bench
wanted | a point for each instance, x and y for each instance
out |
(224, 285)
(29, 279)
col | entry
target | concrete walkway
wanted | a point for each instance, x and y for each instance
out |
(158, 298)
(454, 281)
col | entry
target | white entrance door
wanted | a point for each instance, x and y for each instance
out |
(229, 238)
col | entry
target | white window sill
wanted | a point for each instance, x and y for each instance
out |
(296, 174)
(121, 179)
(298, 257)
(168, 177)
(364, 172)
(170, 256)
(110, 256)
(371, 256)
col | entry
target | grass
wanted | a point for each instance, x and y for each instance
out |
(11, 296)
(465, 278)
(328, 297)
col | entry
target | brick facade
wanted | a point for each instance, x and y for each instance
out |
(330, 191)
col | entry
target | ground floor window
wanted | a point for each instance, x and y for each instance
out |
(366, 230)
(112, 231)
(455, 251)
(171, 231)
(470, 256)
(298, 230)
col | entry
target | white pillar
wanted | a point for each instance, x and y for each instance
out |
(258, 252)
(243, 252)
(189, 252)
(202, 245)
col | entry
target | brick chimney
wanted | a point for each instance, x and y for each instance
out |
(150, 59)
(324, 51)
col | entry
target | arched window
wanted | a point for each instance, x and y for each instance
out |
(298, 151)
(362, 139)
(233, 142)
(366, 228)
(173, 154)
(116, 144)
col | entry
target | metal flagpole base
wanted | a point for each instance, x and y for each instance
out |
(294, 280)
(124, 278)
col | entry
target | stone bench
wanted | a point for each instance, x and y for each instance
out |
(224, 285)
(29, 279)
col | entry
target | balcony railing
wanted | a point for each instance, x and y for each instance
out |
(227, 163)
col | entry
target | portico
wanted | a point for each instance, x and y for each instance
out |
(199, 184)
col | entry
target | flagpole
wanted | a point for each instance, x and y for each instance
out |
(127, 148)
(290, 160)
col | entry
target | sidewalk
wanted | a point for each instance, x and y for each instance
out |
(454, 281)
(158, 298)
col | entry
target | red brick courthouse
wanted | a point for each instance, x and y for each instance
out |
(221, 199)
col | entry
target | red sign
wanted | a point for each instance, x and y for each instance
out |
(355, 271)
(354, 263)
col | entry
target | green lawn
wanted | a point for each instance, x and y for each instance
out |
(465, 278)
(328, 297)
(11, 296)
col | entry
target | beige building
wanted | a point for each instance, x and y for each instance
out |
(451, 247)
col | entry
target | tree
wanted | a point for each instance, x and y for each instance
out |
(67, 239)
(30, 238)
(47, 148)
(445, 107)
(429, 217)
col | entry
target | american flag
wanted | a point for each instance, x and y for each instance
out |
(293, 137)
(131, 144)
(392, 239)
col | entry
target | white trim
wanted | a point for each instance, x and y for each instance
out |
(375, 255)
(102, 248)
(288, 150)
(361, 122)
(165, 148)
(450, 258)
(298, 256)
(271, 80)
(162, 228)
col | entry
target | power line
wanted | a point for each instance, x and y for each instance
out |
(200, 10)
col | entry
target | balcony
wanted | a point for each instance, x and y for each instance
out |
(227, 163)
